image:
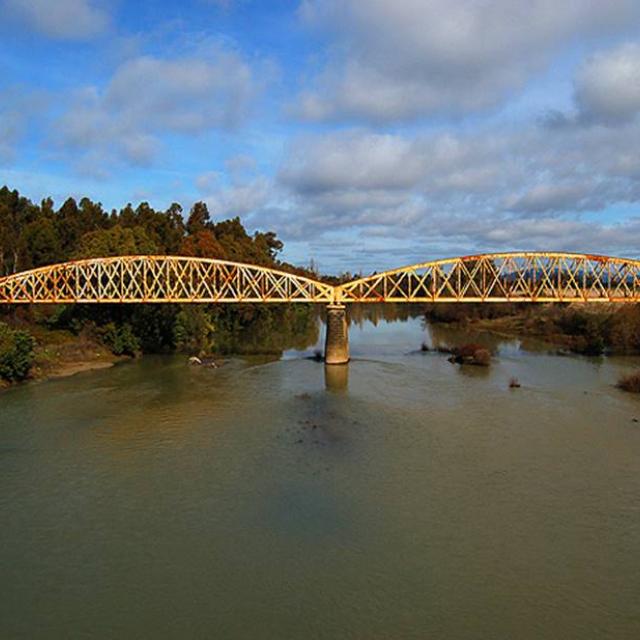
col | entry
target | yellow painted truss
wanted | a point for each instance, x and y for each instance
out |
(496, 277)
(503, 277)
(156, 279)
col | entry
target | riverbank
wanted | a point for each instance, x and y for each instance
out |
(47, 343)
(590, 329)
(63, 354)
(525, 327)
(59, 354)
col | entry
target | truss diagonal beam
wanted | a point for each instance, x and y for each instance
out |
(156, 279)
(495, 277)
(503, 277)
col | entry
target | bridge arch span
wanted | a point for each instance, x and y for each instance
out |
(490, 277)
(503, 277)
(159, 279)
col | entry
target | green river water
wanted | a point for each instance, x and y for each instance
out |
(399, 497)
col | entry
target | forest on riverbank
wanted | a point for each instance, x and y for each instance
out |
(33, 340)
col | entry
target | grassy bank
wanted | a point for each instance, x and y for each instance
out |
(49, 353)
(61, 353)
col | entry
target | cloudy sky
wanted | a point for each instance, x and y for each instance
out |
(366, 133)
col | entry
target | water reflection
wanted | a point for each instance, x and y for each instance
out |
(439, 336)
(336, 378)
(263, 500)
(272, 331)
(359, 314)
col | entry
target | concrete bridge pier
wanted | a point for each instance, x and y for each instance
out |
(336, 349)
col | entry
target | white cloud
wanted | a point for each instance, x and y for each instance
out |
(364, 160)
(404, 59)
(149, 97)
(608, 85)
(240, 164)
(500, 188)
(62, 19)
(208, 182)
(528, 169)
(240, 199)
(17, 106)
(11, 129)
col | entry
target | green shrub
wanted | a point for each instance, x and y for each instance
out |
(120, 339)
(16, 353)
(590, 330)
(193, 330)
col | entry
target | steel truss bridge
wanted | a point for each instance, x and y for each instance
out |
(495, 277)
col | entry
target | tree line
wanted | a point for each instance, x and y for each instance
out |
(34, 235)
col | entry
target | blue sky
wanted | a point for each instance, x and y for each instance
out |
(366, 133)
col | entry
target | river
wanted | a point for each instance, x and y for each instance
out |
(400, 497)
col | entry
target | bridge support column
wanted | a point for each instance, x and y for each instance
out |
(336, 346)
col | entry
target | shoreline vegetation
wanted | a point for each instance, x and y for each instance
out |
(57, 354)
(586, 329)
(39, 342)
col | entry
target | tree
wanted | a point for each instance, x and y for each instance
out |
(68, 222)
(193, 331)
(172, 229)
(268, 244)
(127, 217)
(115, 241)
(202, 244)
(40, 244)
(15, 213)
(199, 218)
(238, 244)
(166, 229)
(92, 216)
(16, 353)
(34, 235)
(120, 339)
(47, 208)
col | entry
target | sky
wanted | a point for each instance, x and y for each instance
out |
(367, 134)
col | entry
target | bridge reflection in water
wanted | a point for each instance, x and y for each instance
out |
(496, 277)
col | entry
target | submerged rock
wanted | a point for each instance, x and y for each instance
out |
(206, 362)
